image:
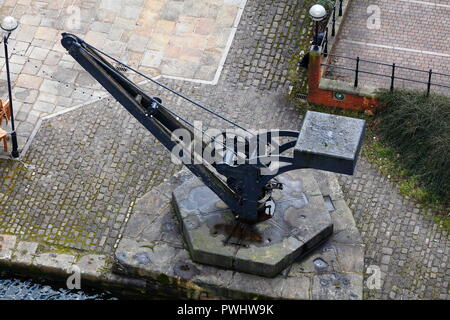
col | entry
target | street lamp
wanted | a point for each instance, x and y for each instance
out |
(317, 13)
(9, 24)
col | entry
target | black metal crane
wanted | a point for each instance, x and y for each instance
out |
(244, 175)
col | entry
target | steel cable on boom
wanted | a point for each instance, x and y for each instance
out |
(169, 89)
(170, 111)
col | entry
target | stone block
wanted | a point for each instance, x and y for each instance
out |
(45, 33)
(214, 237)
(44, 107)
(256, 287)
(329, 142)
(147, 259)
(25, 252)
(92, 266)
(322, 260)
(148, 255)
(7, 243)
(25, 94)
(39, 53)
(351, 258)
(342, 216)
(54, 263)
(298, 288)
(152, 59)
(137, 43)
(29, 81)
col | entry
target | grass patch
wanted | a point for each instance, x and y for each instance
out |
(417, 128)
(408, 142)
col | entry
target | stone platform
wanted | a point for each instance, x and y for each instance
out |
(152, 248)
(300, 222)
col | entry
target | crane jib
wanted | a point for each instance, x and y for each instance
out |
(243, 178)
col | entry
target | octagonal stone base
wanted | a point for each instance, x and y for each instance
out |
(152, 251)
(301, 221)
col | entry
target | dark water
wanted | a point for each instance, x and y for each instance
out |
(21, 289)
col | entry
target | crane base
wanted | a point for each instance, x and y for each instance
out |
(213, 236)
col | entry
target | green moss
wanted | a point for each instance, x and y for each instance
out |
(442, 221)
(389, 162)
(45, 246)
(104, 270)
(417, 127)
(150, 246)
(296, 75)
(162, 278)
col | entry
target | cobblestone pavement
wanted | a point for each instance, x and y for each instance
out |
(409, 33)
(186, 39)
(410, 249)
(84, 170)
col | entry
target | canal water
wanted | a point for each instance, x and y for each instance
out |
(12, 288)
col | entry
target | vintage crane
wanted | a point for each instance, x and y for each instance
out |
(245, 175)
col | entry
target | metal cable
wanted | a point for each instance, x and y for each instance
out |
(169, 89)
(170, 111)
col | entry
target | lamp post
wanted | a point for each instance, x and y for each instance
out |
(317, 13)
(9, 24)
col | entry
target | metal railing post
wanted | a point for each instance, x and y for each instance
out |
(325, 46)
(15, 147)
(333, 30)
(393, 77)
(340, 8)
(356, 72)
(316, 38)
(430, 73)
(385, 74)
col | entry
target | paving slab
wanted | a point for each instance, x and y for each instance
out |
(329, 142)
(25, 252)
(382, 31)
(7, 243)
(186, 39)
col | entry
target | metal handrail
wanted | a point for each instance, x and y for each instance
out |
(324, 43)
(384, 75)
(386, 64)
(358, 60)
(333, 28)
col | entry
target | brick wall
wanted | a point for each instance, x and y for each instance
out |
(327, 97)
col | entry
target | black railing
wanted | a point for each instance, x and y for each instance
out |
(333, 17)
(325, 38)
(324, 43)
(392, 74)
